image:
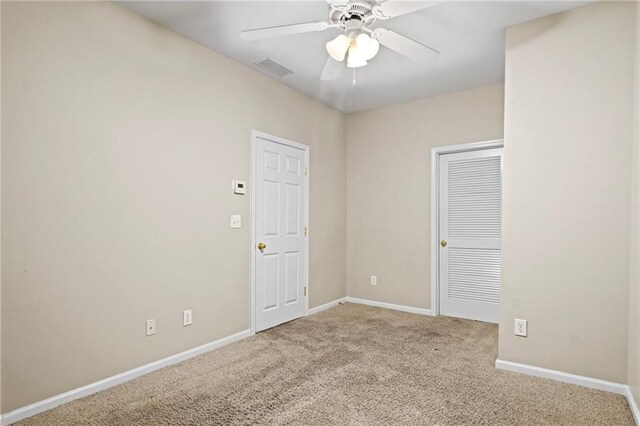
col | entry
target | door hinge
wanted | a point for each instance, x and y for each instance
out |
(305, 231)
(305, 290)
(306, 171)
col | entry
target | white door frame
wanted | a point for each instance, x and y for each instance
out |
(254, 143)
(435, 209)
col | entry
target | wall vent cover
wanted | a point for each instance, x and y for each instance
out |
(272, 67)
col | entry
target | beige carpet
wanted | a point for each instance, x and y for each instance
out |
(350, 365)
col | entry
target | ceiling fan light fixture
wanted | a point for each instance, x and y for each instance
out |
(356, 57)
(367, 45)
(337, 48)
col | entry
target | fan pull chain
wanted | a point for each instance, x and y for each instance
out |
(354, 77)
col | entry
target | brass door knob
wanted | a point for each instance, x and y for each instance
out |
(443, 243)
(262, 246)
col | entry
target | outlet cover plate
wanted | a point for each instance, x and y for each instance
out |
(521, 327)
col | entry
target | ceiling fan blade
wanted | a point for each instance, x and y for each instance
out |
(405, 46)
(393, 8)
(337, 4)
(285, 30)
(332, 70)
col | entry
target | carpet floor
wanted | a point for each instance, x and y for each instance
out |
(350, 365)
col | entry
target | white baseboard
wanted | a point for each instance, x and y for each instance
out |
(633, 404)
(48, 404)
(54, 401)
(574, 379)
(410, 309)
(325, 306)
(561, 376)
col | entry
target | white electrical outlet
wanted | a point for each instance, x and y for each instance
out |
(236, 221)
(374, 280)
(187, 317)
(151, 327)
(521, 327)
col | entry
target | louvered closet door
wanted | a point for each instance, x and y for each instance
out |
(469, 231)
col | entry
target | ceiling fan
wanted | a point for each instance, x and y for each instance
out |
(360, 39)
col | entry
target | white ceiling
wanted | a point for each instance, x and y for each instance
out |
(468, 35)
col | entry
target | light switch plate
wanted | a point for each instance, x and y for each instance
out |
(151, 327)
(236, 221)
(187, 317)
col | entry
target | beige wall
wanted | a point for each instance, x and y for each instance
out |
(123, 137)
(634, 282)
(567, 173)
(119, 148)
(389, 187)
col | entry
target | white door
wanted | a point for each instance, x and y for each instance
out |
(280, 257)
(469, 230)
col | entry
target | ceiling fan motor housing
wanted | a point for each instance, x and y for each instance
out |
(353, 17)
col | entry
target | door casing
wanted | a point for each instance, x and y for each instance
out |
(255, 135)
(435, 209)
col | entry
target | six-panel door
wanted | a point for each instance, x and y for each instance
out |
(280, 203)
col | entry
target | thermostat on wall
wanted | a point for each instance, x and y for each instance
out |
(239, 187)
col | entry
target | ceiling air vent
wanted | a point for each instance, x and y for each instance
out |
(272, 67)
